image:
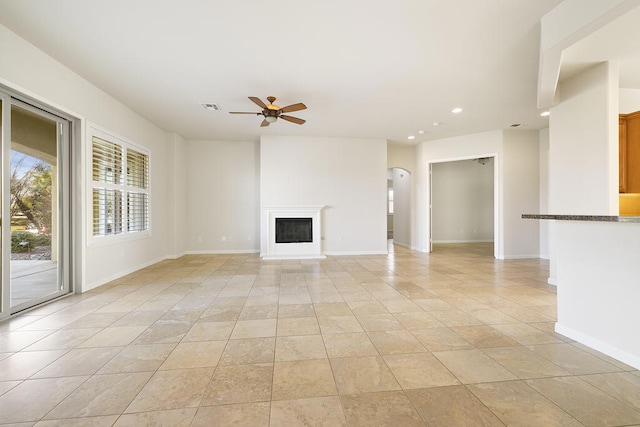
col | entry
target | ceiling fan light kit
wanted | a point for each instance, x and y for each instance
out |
(272, 112)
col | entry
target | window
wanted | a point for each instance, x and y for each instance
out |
(120, 187)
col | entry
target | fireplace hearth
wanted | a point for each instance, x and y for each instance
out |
(291, 232)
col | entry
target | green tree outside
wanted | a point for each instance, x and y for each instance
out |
(31, 202)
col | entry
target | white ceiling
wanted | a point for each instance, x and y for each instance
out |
(365, 68)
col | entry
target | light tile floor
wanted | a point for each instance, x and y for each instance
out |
(453, 338)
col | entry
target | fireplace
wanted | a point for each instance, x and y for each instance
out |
(294, 230)
(291, 232)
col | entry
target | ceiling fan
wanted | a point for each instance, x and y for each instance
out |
(272, 112)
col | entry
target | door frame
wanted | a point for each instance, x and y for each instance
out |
(497, 201)
(69, 231)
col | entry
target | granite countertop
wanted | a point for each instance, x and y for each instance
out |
(594, 218)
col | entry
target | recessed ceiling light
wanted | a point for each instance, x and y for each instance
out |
(456, 110)
(421, 132)
(437, 123)
(545, 113)
(411, 137)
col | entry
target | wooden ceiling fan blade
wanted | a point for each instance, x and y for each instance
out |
(264, 123)
(292, 119)
(258, 102)
(243, 112)
(294, 107)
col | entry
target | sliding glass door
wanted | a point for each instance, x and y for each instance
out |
(35, 171)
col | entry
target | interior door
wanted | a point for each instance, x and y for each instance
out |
(35, 241)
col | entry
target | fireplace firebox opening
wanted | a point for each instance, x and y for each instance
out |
(294, 230)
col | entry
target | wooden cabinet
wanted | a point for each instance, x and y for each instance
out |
(629, 140)
(622, 155)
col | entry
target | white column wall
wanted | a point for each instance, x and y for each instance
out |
(598, 290)
(346, 175)
(583, 163)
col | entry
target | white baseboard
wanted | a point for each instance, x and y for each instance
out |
(525, 256)
(223, 252)
(618, 354)
(355, 253)
(462, 241)
(272, 258)
(552, 281)
(176, 256)
(118, 275)
(402, 245)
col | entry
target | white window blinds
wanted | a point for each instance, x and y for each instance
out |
(107, 161)
(120, 186)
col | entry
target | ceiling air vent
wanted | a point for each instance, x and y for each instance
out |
(516, 125)
(211, 106)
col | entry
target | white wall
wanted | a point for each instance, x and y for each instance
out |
(583, 164)
(348, 176)
(462, 201)
(521, 189)
(223, 197)
(401, 156)
(401, 207)
(30, 71)
(544, 192)
(513, 238)
(177, 169)
(598, 290)
(486, 144)
(629, 100)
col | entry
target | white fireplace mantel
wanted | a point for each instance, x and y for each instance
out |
(269, 249)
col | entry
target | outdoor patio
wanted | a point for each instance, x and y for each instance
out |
(32, 279)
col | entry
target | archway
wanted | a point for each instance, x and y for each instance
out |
(399, 206)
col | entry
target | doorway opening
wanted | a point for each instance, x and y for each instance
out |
(463, 204)
(399, 206)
